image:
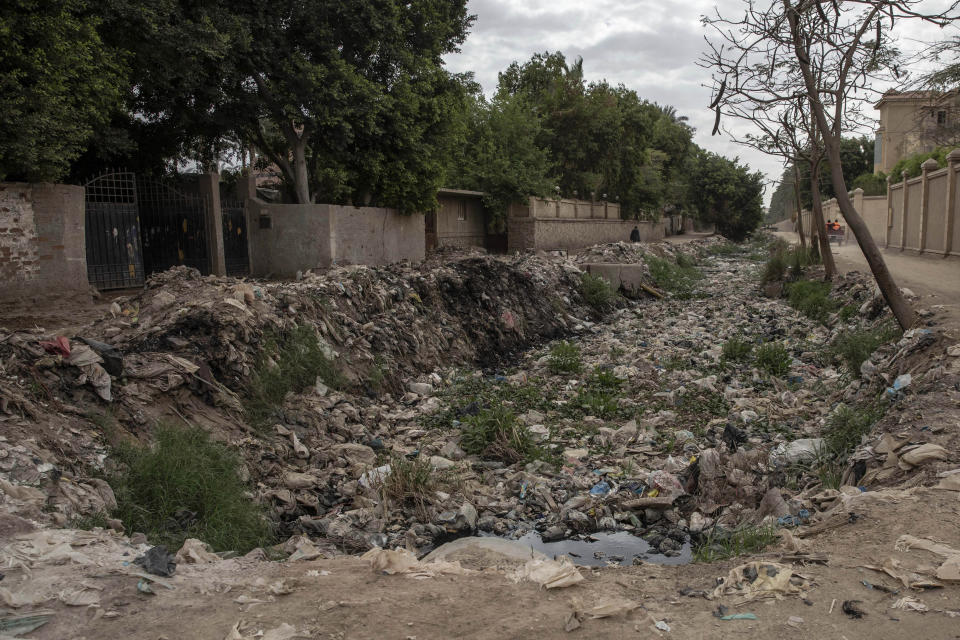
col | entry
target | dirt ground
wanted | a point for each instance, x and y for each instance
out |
(936, 280)
(344, 598)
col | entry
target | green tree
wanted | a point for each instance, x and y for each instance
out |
(58, 82)
(727, 194)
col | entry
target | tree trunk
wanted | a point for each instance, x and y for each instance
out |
(301, 182)
(829, 266)
(796, 199)
(891, 292)
(831, 139)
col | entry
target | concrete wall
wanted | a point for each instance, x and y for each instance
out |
(571, 234)
(571, 209)
(287, 238)
(42, 240)
(921, 214)
(454, 232)
(375, 236)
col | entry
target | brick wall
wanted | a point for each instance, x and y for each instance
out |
(42, 241)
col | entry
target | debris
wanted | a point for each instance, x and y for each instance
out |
(740, 616)
(795, 621)
(661, 625)
(612, 607)
(757, 580)
(909, 603)
(13, 625)
(551, 574)
(195, 551)
(394, 561)
(852, 609)
(158, 561)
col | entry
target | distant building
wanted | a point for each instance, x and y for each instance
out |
(915, 122)
(459, 222)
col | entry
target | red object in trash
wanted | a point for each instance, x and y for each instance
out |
(60, 346)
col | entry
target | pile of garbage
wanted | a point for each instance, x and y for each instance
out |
(642, 425)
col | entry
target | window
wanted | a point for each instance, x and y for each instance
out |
(941, 117)
(461, 211)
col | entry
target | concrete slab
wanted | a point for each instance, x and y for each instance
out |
(625, 277)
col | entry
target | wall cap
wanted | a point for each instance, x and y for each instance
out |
(954, 155)
(930, 165)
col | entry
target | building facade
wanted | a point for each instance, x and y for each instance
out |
(915, 122)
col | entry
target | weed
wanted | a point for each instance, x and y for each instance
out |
(678, 279)
(736, 349)
(597, 292)
(409, 482)
(187, 486)
(495, 433)
(565, 358)
(288, 363)
(773, 358)
(600, 403)
(847, 312)
(603, 378)
(809, 297)
(89, 522)
(853, 347)
(846, 426)
(725, 248)
(377, 374)
(721, 544)
(775, 268)
(686, 261)
(705, 403)
(675, 362)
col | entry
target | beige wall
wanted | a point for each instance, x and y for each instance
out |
(572, 234)
(313, 236)
(454, 232)
(908, 125)
(42, 241)
(572, 209)
(909, 220)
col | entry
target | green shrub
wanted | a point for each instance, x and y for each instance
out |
(187, 486)
(679, 280)
(565, 358)
(597, 292)
(773, 358)
(495, 433)
(736, 349)
(810, 298)
(853, 347)
(291, 362)
(775, 268)
(846, 426)
(686, 261)
(847, 312)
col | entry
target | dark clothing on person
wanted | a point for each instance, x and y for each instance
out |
(635, 235)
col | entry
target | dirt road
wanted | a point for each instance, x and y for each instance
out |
(935, 280)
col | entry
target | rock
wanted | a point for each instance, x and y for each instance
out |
(469, 514)
(626, 433)
(532, 417)
(294, 480)
(773, 289)
(607, 523)
(578, 520)
(552, 534)
(440, 463)
(749, 415)
(421, 388)
(539, 432)
(772, 504)
(356, 454)
(868, 369)
(452, 451)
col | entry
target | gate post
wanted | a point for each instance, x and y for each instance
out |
(210, 189)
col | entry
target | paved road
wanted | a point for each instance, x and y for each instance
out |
(936, 280)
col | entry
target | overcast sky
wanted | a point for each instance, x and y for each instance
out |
(649, 46)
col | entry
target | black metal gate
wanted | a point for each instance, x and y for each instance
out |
(235, 252)
(172, 226)
(114, 255)
(137, 226)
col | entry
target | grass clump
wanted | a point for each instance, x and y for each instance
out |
(775, 269)
(679, 279)
(187, 486)
(773, 358)
(410, 482)
(736, 349)
(847, 312)
(846, 426)
(854, 347)
(495, 433)
(719, 544)
(810, 297)
(89, 522)
(565, 358)
(288, 363)
(597, 292)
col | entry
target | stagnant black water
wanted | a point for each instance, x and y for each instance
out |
(603, 549)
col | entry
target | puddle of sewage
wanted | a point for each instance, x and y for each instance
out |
(620, 544)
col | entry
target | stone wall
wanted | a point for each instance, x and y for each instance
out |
(287, 238)
(42, 241)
